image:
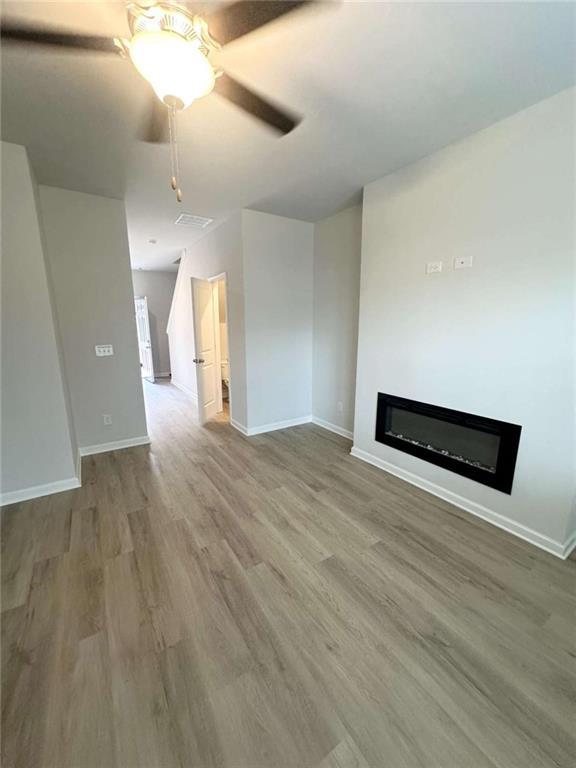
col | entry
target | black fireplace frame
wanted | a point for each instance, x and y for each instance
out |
(509, 434)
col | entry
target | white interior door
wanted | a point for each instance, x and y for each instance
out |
(205, 346)
(144, 340)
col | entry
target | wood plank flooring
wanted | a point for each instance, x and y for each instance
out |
(219, 601)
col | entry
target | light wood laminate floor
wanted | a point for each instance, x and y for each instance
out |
(271, 602)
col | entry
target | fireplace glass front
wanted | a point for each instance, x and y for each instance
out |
(476, 447)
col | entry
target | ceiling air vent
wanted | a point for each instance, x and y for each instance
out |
(189, 220)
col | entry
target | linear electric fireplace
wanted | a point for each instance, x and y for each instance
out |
(474, 446)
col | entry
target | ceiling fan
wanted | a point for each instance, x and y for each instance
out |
(172, 49)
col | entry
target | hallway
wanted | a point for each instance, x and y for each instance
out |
(271, 602)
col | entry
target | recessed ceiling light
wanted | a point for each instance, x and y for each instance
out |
(153, 241)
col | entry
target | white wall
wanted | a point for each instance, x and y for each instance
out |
(268, 262)
(87, 249)
(38, 449)
(158, 287)
(337, 249)
(219, 251)
(496, 340)
(278, 284)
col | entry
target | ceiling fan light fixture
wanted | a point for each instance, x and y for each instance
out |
(174, 66)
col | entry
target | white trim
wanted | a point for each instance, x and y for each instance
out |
(89, 450)
(36, 491)
(279, 425)
(523, 532)
(186, 390)
(220, 276)
(224, 276)
(250, 431)
(332, 427)
(145, 352)
(217, 348)
(239, 427)
(79, 467)
(569, 545)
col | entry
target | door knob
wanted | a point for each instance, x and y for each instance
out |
(198, 360)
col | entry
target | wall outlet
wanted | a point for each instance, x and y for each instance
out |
(339, 406)
(433, 266)
(104, 350)
(461, 262)
(107, 419)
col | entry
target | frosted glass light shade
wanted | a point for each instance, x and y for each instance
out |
(173, 66)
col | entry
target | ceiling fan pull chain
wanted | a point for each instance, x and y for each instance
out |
(171, 115)
(175, 181)
(176, 162)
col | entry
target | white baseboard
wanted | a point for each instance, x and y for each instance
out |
(523, 532)
(569, 546)
(186, 390)
(36, 491)
(79, 467)
(240, 427)
(89, 450)
(333, 427)
(272, 427)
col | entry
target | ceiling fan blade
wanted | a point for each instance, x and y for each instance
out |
(13, 32)
(236, 20)
(155, 129)
(255, 105)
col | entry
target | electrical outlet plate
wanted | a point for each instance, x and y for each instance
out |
(107, 419)
(462, 262)
(433, 266)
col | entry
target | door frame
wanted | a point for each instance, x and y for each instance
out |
(205, 358)
(216, 308)
(215, 301)
(152, 376)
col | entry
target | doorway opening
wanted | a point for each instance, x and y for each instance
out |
(144, 338)
(223, 352)
(211, 344)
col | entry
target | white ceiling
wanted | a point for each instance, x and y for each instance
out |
(379, 84)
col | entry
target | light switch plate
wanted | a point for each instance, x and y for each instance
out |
(433, 266)
(462, 262)
(104, 350)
